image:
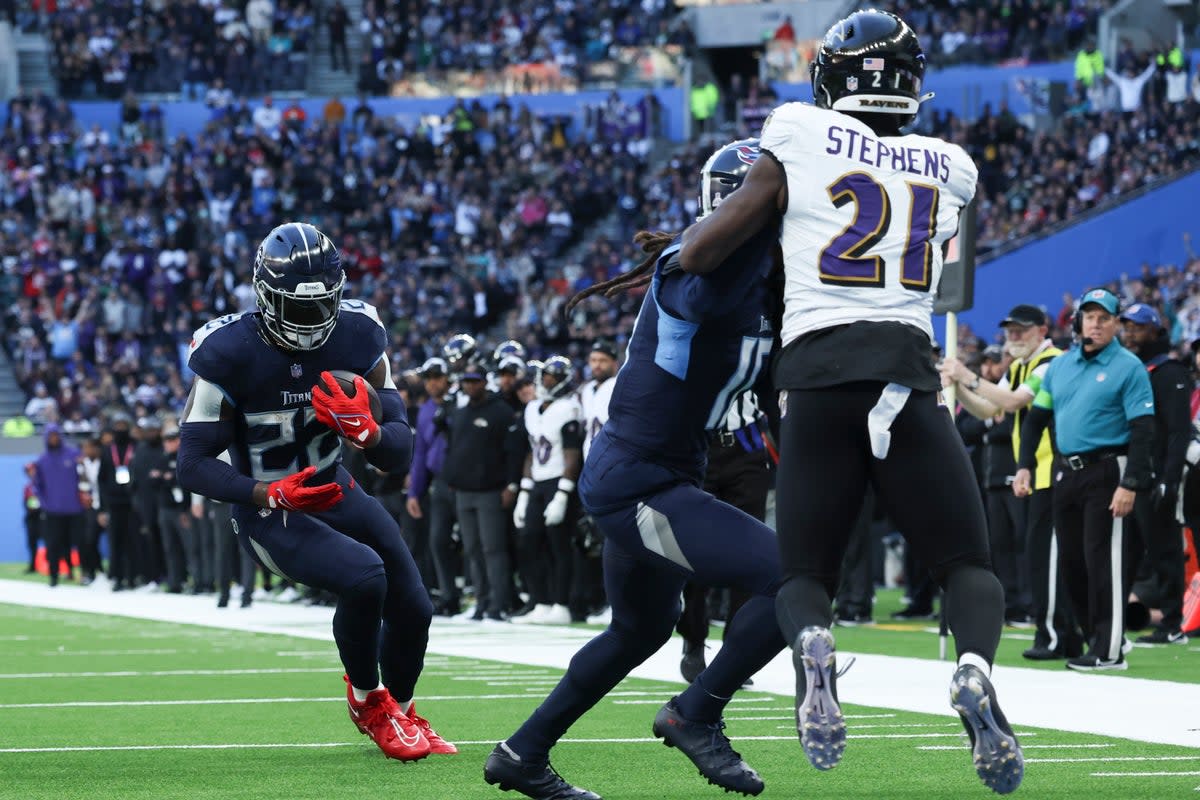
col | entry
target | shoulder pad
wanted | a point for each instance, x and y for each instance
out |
(217, 348)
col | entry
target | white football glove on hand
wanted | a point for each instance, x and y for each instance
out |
(522, 503)
(556, 509)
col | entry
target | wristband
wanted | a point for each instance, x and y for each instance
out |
(512, 487)
(566, 485)
(526, 484)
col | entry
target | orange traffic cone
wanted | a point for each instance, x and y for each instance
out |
(42, 564)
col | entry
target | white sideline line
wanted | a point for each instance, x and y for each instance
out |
(1109, 758)
(1143, 774)
(162, 652)
(256, 700)
(273, 746)
(948, 747)
(159, 673)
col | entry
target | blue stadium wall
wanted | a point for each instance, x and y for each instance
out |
(12, 509)
(1148, 230)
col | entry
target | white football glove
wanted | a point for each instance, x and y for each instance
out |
(556, 509)
(519, 509)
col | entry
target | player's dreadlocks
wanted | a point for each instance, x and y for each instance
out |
(652, 245)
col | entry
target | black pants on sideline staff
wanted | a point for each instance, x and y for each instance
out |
(446, 562)
(1053, 609)
(1006, 534)
(57, 532)
(1155, 540)
(1091, 549)
(741, 478)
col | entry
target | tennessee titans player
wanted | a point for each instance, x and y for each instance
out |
(697, 343)
(263, 392)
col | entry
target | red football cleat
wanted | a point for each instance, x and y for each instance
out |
(437, 745)
(381, 718)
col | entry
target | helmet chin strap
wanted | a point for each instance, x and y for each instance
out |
(926, 97)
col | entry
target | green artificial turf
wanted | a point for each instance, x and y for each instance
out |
(165, 673)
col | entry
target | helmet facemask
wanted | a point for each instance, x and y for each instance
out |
(303, 319)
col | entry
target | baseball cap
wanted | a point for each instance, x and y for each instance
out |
(1142, 314)
(604, 346)
(993, 352)
(1101, 297)
(473, 371)
(433, 368)
(1024, 315)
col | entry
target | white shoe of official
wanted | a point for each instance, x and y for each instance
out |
(601, 618)
(557, 615)
(534, 617)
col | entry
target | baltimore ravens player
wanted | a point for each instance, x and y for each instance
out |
(867, 212)
(697, 343)
(595, 395)
(263, 392)
(546, 509)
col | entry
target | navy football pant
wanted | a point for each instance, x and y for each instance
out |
(652, 547)
(355, 551)
(925, 483)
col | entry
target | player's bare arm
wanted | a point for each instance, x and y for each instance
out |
(711, 240)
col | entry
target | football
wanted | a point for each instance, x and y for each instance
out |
(345, 379)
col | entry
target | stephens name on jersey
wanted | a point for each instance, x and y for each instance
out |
(551, 428)
(863, 236)
(270, 389)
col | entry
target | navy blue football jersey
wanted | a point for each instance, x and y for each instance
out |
(270, 389)
(698, 343)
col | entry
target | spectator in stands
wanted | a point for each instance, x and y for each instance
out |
(1130, 85)
(1089, 64)
(337, 20)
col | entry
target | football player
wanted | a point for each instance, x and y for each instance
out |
(867, 212)
(263, 392)
(697, 342)
(594, 396)
(546, 506)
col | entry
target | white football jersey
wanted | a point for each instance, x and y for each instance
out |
(545, 434)
(594, 398)
(866, 218)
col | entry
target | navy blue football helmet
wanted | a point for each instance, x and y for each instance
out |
(562, 371)
(509, 347)
(298, 280)
(871, 62)
(724, 172)
(460, 349)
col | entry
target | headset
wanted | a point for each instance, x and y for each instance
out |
(1091, 295)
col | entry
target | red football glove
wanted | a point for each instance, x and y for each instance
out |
(291, 494)
(350, 417)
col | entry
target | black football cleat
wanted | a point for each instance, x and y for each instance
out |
(692, 663)
(994, 747)
(819, 719)
(536, 780)
(709, 749)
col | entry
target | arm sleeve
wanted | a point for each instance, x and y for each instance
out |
(1175, 411)
(1139, 470)
(572, 435)
(418, 475)
(200, 470)
(1031, 436)
(394, 451)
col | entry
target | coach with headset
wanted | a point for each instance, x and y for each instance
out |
(1099, 395)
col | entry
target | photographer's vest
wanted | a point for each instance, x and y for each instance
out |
(1018, 373)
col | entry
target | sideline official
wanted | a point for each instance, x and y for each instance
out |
(1100, 398)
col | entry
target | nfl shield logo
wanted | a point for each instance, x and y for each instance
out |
(296, 371)
(852, 83)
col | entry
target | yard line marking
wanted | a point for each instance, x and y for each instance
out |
(1023, 747)
(954, 735)
(254, 700)
(276, 745)
(161, 673)
(492, 676)
(651, 702)
(147, 652)
(1143, 774)
(1109, 758)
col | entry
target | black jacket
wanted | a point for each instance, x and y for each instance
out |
(479, 437)
(1171, 382)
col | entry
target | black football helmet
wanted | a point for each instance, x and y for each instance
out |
(298, 280)
(724, 172)
(870, 62)
(509, 347)
(460, 349)
(562, 371)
